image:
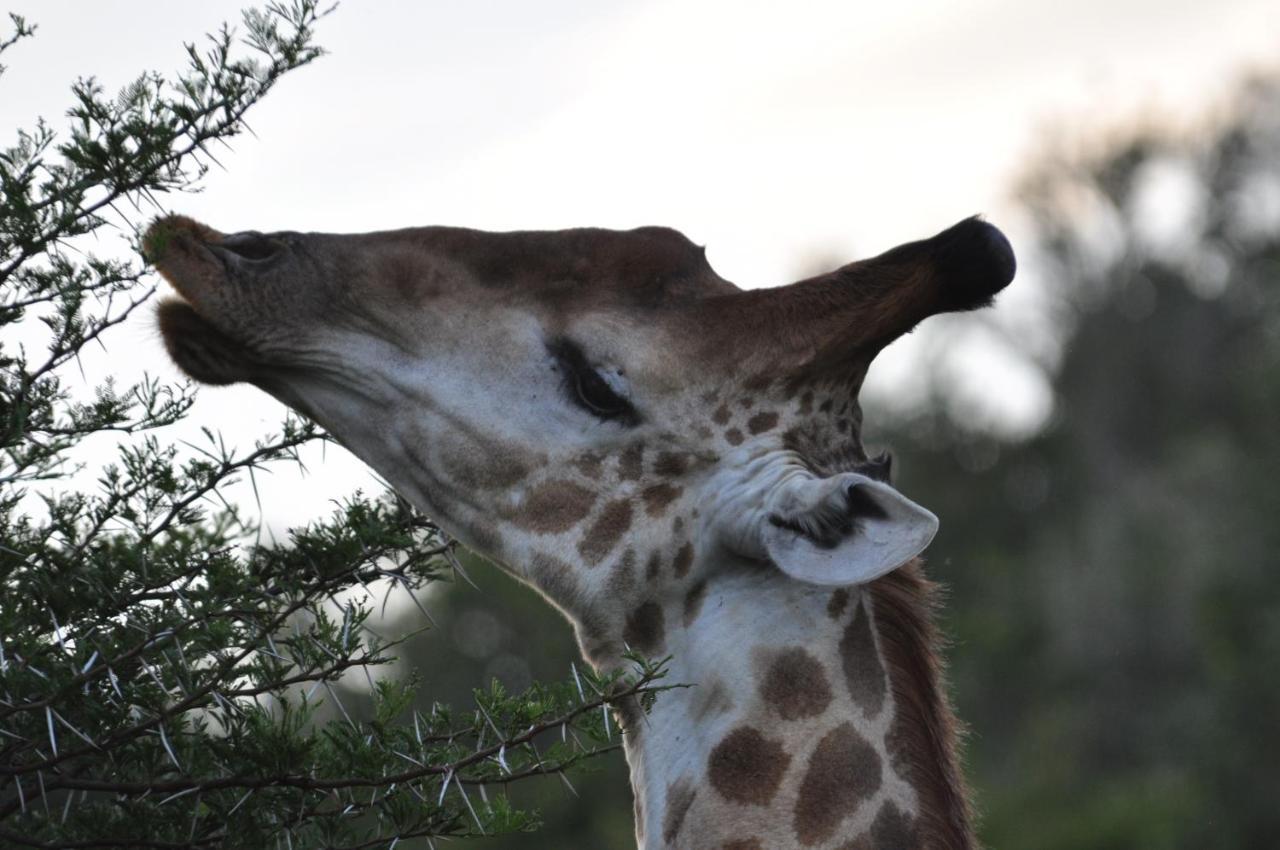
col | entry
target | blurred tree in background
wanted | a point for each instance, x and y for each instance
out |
(166, 682)
(1116, 578)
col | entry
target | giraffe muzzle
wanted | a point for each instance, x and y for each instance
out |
(211, 328)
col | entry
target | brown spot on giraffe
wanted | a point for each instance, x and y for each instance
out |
(693, 601)
(795, 686)
(658, 497)
(631, 464)
(479, 538)
(843, 771)
(734, 437)
(894, 829)
(839, 600)
(670, 464)
(589, 464)
(721, 416)
(806, 403)
(683, 560)
(680, 796)
(742, 844)
(481, 462)
(613, 522)
(897, 741)
(556, 579)
(762, 421)
(622, 577)
(863, 672)
(554, 506)
(653, 568)
(645, 629)
(747, 402)
(746, 767)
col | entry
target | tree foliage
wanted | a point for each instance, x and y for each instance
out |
(165, 681)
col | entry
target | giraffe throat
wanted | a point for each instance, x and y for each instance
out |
(808, 724)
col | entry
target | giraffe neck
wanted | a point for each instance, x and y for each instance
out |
(817, 721)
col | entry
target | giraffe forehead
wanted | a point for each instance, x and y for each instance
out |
(652, 265)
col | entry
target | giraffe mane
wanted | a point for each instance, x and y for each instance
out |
(925, 732)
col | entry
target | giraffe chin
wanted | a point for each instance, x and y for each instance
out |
(201, 350)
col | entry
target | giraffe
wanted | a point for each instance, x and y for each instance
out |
(673, 462)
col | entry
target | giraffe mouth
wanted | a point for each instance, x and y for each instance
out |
(199, 263)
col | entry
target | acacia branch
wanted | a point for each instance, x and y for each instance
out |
(635, 688)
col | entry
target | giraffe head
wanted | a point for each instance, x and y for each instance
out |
(596, 410)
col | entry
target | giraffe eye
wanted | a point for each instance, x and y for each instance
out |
(588, 388)
(597, 396)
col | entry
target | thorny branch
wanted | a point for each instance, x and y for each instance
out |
(165, 681)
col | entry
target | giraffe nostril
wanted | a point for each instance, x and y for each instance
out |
(250, 245)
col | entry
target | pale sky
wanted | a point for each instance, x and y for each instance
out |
(773, 133)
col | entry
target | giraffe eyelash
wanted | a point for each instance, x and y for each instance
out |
(588, 388)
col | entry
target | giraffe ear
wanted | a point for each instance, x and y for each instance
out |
(846, 529)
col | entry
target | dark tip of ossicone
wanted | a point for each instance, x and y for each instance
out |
(974, 260)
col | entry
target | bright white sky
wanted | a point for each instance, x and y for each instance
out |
(773, 133)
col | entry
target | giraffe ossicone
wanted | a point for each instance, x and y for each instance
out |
(675, 463)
